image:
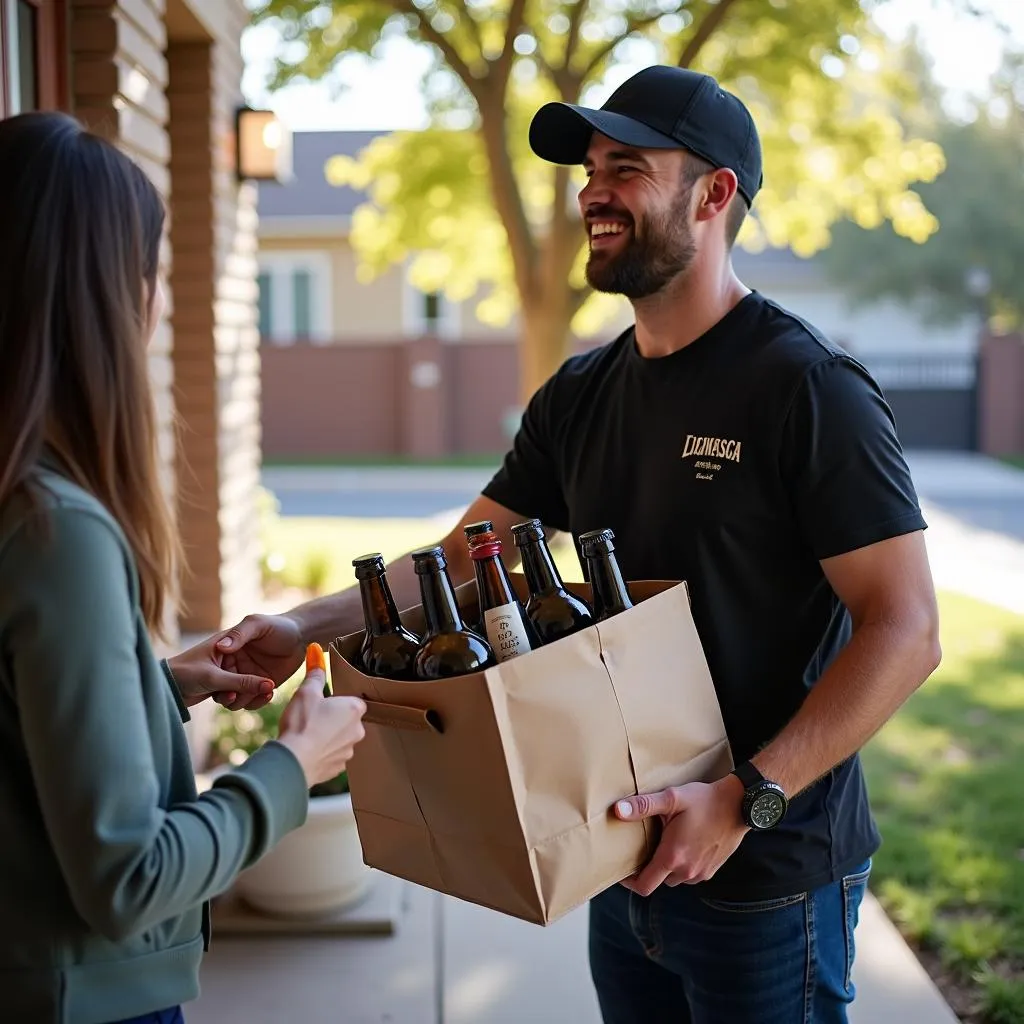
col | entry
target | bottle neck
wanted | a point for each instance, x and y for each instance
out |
(539, 567)
(607, 584)
(440, 609)
(492, 582)
(379, 610)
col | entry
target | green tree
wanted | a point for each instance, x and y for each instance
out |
(481, 216)
(972, 264)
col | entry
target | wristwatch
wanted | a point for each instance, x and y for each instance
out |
(764, 802)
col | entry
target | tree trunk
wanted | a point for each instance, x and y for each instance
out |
(547, 308)
(544, 341)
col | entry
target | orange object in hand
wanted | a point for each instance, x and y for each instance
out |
(315, 658)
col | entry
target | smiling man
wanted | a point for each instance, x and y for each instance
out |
(727, 443)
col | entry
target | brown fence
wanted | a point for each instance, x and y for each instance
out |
(417, 398)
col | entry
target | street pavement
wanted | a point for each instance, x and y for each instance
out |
(374, 493)
(974, 506)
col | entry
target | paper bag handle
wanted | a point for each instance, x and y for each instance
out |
(398, 716)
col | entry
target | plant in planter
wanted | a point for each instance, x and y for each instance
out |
(317, 869)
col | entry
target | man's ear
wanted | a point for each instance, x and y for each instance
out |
(717, 193)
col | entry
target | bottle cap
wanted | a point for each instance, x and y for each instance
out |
(427, 559)
(597, 540)
(369, 559)
(485, 526)
(370, 565)
(523, 533)
(484, 545)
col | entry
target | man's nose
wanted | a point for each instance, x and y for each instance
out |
(596, 192)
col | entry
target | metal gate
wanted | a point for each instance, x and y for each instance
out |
(934, 398)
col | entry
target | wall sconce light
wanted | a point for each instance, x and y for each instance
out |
(263, 146)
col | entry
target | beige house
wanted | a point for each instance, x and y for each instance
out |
(309, 284)
(162, 78)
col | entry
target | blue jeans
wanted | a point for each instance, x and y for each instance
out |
(678, 958)
(171, 1016)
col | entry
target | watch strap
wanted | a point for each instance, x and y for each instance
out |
(748, 774)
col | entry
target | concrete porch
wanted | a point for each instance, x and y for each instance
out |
(449, 962)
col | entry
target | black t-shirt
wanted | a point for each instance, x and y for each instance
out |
(736, 464)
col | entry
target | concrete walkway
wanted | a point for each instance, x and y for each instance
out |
(453, 963)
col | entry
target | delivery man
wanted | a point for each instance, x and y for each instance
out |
(727, 442)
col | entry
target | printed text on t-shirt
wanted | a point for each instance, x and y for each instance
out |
(707, 451)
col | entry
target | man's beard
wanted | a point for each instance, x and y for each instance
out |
(660, 248)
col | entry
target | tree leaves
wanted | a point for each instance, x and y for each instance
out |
(476, 210)
(971, 264)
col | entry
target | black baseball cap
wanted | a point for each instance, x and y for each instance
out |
(659, 108)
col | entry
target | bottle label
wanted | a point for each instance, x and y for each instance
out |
(506, 632)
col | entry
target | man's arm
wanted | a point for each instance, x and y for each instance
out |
(326, 618)
(887, 588)
(272, 646)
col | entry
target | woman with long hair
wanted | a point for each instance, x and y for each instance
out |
(108, 856)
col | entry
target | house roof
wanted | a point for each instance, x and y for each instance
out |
(309, 194)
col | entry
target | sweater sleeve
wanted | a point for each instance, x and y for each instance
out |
(73, 644)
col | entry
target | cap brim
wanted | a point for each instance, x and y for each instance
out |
(561, 132)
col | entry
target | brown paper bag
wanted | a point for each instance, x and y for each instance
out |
(497, 787)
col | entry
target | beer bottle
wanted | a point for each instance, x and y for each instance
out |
(473, 618)
(506, 626)
(448, 647)
(609, 590)
(551, 609)
(388, 649)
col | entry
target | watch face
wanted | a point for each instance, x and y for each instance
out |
(767, 809)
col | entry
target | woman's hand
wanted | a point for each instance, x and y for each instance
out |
(200, 673)
(320, 731)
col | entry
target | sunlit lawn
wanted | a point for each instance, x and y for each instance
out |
(946, 775)
(947, 785)
(316, 554)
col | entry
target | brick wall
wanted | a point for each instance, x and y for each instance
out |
(216, 358)
(118, 78)
(162, 78)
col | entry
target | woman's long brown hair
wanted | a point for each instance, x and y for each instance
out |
(80, 232)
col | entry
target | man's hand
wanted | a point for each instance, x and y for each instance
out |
(702, 829)
(199, 673)
(265, 645)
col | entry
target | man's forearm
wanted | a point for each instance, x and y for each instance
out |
(881, 666)
(324, 619)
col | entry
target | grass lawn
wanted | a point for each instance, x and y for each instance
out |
(946, 774)
(316, 554)
(946, 778)
(1013, 460)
